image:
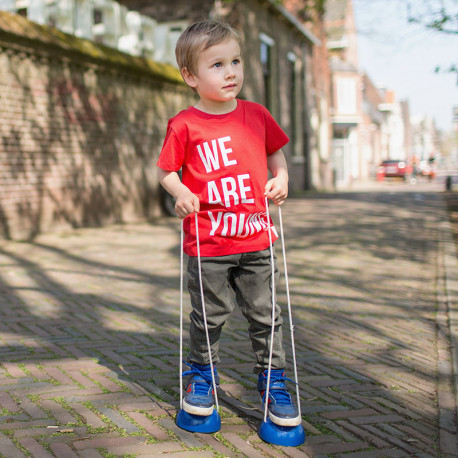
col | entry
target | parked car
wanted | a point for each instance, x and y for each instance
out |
(394, 169)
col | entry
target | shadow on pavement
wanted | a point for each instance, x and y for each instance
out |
(362, 270)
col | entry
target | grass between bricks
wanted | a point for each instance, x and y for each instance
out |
(110, 425)
(62, 401)
(96, 382)
(118, 382)
(106, 454)
(5, 412)
(25, 370)
(220, 438)
(15, 440)
(320, 427)
(149, 438)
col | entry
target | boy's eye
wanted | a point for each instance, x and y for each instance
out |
(236, 61)
(217, 65)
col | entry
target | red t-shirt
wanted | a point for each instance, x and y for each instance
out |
(224, 162)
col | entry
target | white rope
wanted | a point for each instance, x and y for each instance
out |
(181, 316)
(290, 315)
(204, 314)
(272, 332)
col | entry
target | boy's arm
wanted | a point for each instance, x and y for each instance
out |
(186, 201)
(276, 188)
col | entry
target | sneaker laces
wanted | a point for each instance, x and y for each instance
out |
(278, 390)
(202, 378)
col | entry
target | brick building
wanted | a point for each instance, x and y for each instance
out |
(311, 14)
(346, 105)
(372, 120)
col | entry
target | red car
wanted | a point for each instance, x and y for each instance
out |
(394, 169)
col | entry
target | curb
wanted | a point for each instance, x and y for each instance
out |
(450, 266)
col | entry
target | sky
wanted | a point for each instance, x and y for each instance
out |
(402, 56)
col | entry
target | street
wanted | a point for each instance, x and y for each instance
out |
(89, 339)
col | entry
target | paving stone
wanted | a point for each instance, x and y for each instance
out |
(322, 439)
(62, 450)
(348, 413)
(25, 424)
(88, 415)
(363, 434)
(448, 442)
(191, 453)
(8, 403)
(216, 445)
(243, 445)
(334, 448)
(144, 405)
(9, 449)
(117, 419)
(62, 415)
(89, 453)
(375, 419)
(391, 439)
(35, 449)
(149, 426)
(145, 449)
(382, 453)
(189, 439)
(107, 442)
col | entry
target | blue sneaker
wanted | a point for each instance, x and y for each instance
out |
(199, 398)
(281, 408)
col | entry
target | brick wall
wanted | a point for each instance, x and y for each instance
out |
(81, 127)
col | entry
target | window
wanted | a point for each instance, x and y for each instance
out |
(97, 16)
(266, 65)
(293, 115)
(346, 95)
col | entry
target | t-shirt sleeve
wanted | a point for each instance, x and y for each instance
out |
(173, 151)
(276, 138)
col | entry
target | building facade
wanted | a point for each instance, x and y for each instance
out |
(346, 95)
(372, 120)
(311, 15)
(395, 128)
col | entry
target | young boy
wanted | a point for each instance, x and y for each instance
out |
(225, 147)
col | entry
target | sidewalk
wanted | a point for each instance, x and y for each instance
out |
(89, 337)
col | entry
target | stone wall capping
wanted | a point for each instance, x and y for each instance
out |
(21, 34)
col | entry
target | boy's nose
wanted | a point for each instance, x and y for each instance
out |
(230, 73)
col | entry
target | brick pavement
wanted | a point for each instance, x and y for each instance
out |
(89, 337)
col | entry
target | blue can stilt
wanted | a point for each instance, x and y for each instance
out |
(199, 423)
(289, 436)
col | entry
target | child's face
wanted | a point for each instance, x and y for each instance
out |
(219, 73)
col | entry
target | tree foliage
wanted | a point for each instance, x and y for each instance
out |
(437, 15)
(305, 10)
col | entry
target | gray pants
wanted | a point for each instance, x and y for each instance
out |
(243, 279)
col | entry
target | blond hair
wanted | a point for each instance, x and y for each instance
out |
(197, 38)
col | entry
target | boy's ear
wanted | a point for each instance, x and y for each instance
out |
(188, 77)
